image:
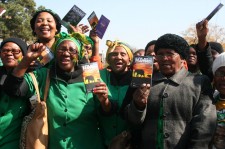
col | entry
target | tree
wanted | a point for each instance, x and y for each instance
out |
(15, 22)
(216, 33)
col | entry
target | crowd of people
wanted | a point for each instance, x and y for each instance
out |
(183, 107)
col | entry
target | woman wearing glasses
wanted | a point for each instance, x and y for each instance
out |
(12, 110)
(72, 115)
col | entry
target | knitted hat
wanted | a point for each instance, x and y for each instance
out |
(216, 46)
(18, 41)
(172, 41)
(218, 62)
(55, 16)
(112, 45)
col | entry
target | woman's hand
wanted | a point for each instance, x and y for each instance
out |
(93, 36)
(34, 51)
(101, 91)
(202, 29)
(81, 28)
(140, 96)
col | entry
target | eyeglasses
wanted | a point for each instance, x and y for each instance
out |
(13, 51)
(70, 51)
(87, 47)
(219, 74)
(168, 56)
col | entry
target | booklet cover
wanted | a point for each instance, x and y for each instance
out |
(93, 20)
(213, 12)
(91, 75)
(142, 70)
(102, 26)
(46, 57)
(73, 17)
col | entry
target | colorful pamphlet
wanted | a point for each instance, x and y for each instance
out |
(46, 57)
(93, 20)
(142, 70)
(73, 17)
(102, 26)
(91, 75)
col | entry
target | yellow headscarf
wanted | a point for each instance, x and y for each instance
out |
(113, 44)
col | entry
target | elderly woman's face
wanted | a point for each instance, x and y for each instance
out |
(10, 53)
(45, 26)
(169, 61)
(119, 60)
(66, 53)
(219, 80)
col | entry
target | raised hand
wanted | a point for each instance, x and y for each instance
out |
(140, 96)
(34, 51)
(101, 91)
(202, 29)
(93, 36)
(81, 28)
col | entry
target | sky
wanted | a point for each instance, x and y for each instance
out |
(138, 22)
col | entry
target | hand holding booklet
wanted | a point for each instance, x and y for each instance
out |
(102, 26)
(93, 20)
(91, 75)
(73, 17)
(213, 12)
(142, 70)
(46, 57)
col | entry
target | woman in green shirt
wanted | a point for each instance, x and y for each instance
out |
(117, 77)
(12, 110)
(72, 115)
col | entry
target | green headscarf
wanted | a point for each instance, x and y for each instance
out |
(77, 38)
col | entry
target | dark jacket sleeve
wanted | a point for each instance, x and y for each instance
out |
(205, 61)
(14, 86)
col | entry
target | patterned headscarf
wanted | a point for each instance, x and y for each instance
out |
(77, 38)
(86, 41)
(113, 44)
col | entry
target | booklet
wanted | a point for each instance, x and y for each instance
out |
(73, 17)
(102, 26)
(142, 70)
(46, 57)
(93, 20)
(214, 12)
(91, 75)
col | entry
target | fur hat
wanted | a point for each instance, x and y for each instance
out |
(172, 41)
(218, 62)
(18, 41)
